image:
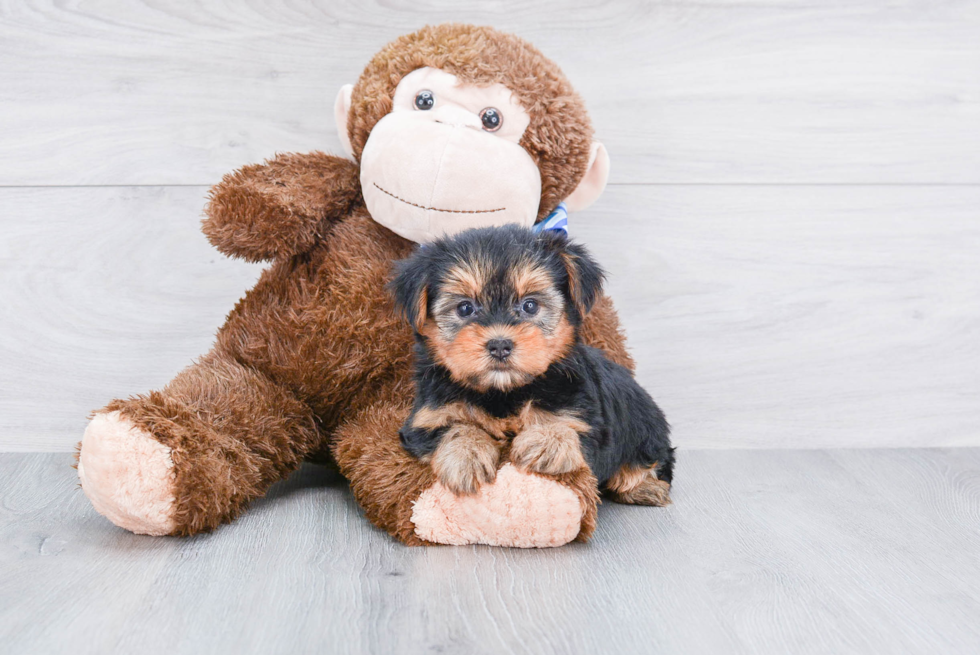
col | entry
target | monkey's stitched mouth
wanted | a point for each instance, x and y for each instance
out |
(437, 209)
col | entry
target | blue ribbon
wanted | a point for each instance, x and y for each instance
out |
(557, 221)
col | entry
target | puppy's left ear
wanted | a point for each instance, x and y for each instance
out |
(411, 289)
(585, 276)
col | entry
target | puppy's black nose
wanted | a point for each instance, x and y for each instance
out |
(500, 348)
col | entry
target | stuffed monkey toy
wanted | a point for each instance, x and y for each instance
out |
(448, 128)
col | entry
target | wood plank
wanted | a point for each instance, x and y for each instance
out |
(762, 552)
(759, 316)
(800, 317)
(106, 292)
(769, 91)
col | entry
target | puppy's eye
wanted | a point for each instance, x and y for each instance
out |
(424, 100)
(491, 119)
(530, 307)
(465, 309)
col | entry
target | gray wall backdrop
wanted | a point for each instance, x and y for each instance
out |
(792, 225)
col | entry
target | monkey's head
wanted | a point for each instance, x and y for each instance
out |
(457, 126)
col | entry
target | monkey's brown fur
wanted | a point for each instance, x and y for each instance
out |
(314, 361)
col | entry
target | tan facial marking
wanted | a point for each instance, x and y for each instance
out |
(465, 356)
(461, 346)
(469, 363)
(536, 350)
(634, 485)
(467, 279)
(466, 458)
(527, 278)
(549, 443)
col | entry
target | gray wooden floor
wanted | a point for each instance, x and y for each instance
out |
(832, 551)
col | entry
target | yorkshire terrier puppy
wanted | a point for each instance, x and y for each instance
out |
(499, 362)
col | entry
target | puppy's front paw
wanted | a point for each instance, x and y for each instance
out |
(466, 458)
(550, 449)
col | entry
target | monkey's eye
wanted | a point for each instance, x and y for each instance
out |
(465, 309)
(424, 99)
(530, 307)
(491, 119)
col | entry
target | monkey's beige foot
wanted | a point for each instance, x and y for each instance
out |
(518, 509)
(127, 475)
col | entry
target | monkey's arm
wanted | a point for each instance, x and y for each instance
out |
(601, 330)
(282, 207)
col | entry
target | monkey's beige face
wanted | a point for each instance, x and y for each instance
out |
(447, 158)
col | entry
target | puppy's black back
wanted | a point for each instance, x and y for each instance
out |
(628, 426)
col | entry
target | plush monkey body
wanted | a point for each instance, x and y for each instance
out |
(310, 356)
(314, 361)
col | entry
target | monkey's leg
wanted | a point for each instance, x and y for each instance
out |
(401, 495)
(191, 456)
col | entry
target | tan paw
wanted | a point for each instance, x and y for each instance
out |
(650, 491)
(552, 449)
(465, 459)
(127, 474)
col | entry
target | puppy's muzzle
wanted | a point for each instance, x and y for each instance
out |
(500, 349)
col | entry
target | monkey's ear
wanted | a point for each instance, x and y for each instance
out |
(594, 180)
(341, 109)
(585, 276)
(410, 288)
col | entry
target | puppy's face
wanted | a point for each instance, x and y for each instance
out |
(495, 326)
(497, 308)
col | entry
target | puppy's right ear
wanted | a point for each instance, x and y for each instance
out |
(411, 289)
(585, 276)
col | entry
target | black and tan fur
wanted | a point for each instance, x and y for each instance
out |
(500, 368)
